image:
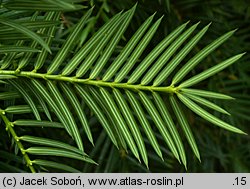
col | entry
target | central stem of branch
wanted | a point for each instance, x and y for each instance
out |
(9, 128)
(136, 87)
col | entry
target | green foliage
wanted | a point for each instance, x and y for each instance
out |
(109, 98)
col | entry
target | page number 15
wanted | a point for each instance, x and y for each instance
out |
(240, 181)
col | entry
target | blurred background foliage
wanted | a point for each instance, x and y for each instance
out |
(221, 151)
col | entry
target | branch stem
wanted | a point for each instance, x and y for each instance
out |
(136, 87)
(9, 127)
